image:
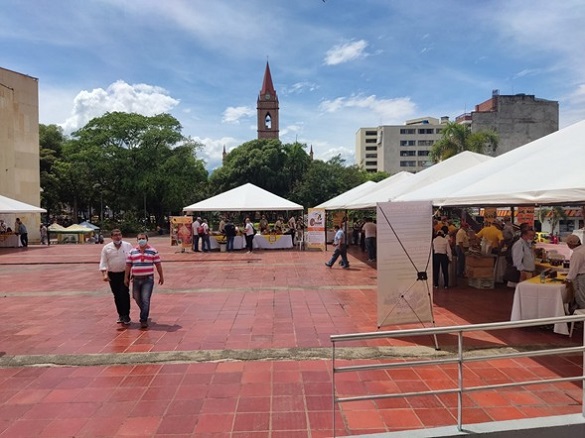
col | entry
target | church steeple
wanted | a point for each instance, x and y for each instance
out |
(267, 108)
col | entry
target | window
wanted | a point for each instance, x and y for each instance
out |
(408, 164)
(371, 155)
(371, 163)
(426, 131)
(407, 142)
(423, 153)
(372, 133)
(371, 140)
(407, 131)
(426, 142)
(268, 121)
(371, 148)
(407, 153)
(438, 130)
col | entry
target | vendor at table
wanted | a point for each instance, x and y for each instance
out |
(576, 275)
(523, 255)
(2, 226)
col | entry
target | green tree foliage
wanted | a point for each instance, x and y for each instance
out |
(128, 162)
(457, 138)
(51, 141)
(324, 180)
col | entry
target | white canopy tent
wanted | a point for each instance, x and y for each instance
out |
(8, 205)
(458, 163)
(247, 197)
(546, 171)
(338, 202)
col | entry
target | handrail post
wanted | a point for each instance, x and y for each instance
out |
(460, 379)
(333, 388)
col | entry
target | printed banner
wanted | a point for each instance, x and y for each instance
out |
(404, 263)
(525, 215)
(315, 235)
(181, 231)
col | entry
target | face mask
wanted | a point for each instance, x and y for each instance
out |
(142, 242)
(117, 242)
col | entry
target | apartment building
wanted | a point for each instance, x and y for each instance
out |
(517, 119)
(395, 148)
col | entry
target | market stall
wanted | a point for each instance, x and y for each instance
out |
(273, 241)
(9, 240)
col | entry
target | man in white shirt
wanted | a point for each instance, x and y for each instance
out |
(576, 275)
(112, 266)
(195, 233)
(522, 254)
(369, 230)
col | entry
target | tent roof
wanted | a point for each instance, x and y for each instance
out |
(8, 205)
(89, 225)
(545, 171)
(424, 178)
(339, 201)
(247, 197)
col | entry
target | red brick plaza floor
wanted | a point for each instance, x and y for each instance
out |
(238, 347)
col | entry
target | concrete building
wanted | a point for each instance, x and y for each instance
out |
(517, 119)
(395, 148)
(19, 145)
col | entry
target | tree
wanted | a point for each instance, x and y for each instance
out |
(553, 215)
(51, 141)
(456, 138)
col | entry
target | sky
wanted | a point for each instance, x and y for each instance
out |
(337, 65)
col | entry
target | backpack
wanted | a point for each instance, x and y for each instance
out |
(200, 230)
(253, 230)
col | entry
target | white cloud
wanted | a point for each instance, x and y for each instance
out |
(143, 99)
(346, 52)
(299, 88)
(387, 110)
(212, 152)
(234, 114)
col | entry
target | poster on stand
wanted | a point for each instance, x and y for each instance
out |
(181, 231)
(404, 232)
(315, 235)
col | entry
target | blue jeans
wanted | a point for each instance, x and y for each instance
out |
(141, 292)
(371, 247)
(205, 244)
(230, 243)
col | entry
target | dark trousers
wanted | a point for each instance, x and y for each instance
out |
(440, 261)
(460, 261)
(250, 242)
(196, 242)
(230, 243)
(121, 293)
(24, 239)
(205, 244)
(371, 247)
(340, 250)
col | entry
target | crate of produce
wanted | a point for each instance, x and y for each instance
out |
(479, 261)
(480, 272)
(481, 283)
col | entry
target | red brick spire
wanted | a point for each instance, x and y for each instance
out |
(267, 86)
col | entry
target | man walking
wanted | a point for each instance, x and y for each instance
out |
(22, 232)
(140, 265)
(340, 249)
(112, 266)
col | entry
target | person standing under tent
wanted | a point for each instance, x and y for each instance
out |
(441, 257)
(370, 235)
(249, 233)
(195, 228)
(576, 275)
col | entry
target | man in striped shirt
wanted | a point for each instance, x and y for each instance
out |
(140, 265)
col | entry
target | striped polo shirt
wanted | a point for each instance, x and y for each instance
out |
(143, 262)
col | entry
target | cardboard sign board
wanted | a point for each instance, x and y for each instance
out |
(182, 231)
(315, 235)
(404, 262)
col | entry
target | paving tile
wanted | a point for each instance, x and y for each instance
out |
(271, 300)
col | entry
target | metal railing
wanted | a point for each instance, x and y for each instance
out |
(460, 360)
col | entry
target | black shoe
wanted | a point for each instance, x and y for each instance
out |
(345, 266)
(143, 324)
(126, 320)
(120, 320)
(328, 264)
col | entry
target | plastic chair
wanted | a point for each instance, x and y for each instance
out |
(300, 238)
(576, 312)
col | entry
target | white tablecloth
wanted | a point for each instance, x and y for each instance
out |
(533, 300)
(280, 241)
(239, 242)
(9, 241)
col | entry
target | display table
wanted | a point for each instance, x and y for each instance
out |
(273, 241)
(239, 242)
(533, 300)
(560, 248)
(9, 241)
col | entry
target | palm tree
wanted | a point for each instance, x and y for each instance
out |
(456, 138)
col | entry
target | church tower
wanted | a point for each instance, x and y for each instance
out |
(267, 107)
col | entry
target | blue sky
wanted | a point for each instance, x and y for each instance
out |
(337, 65)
